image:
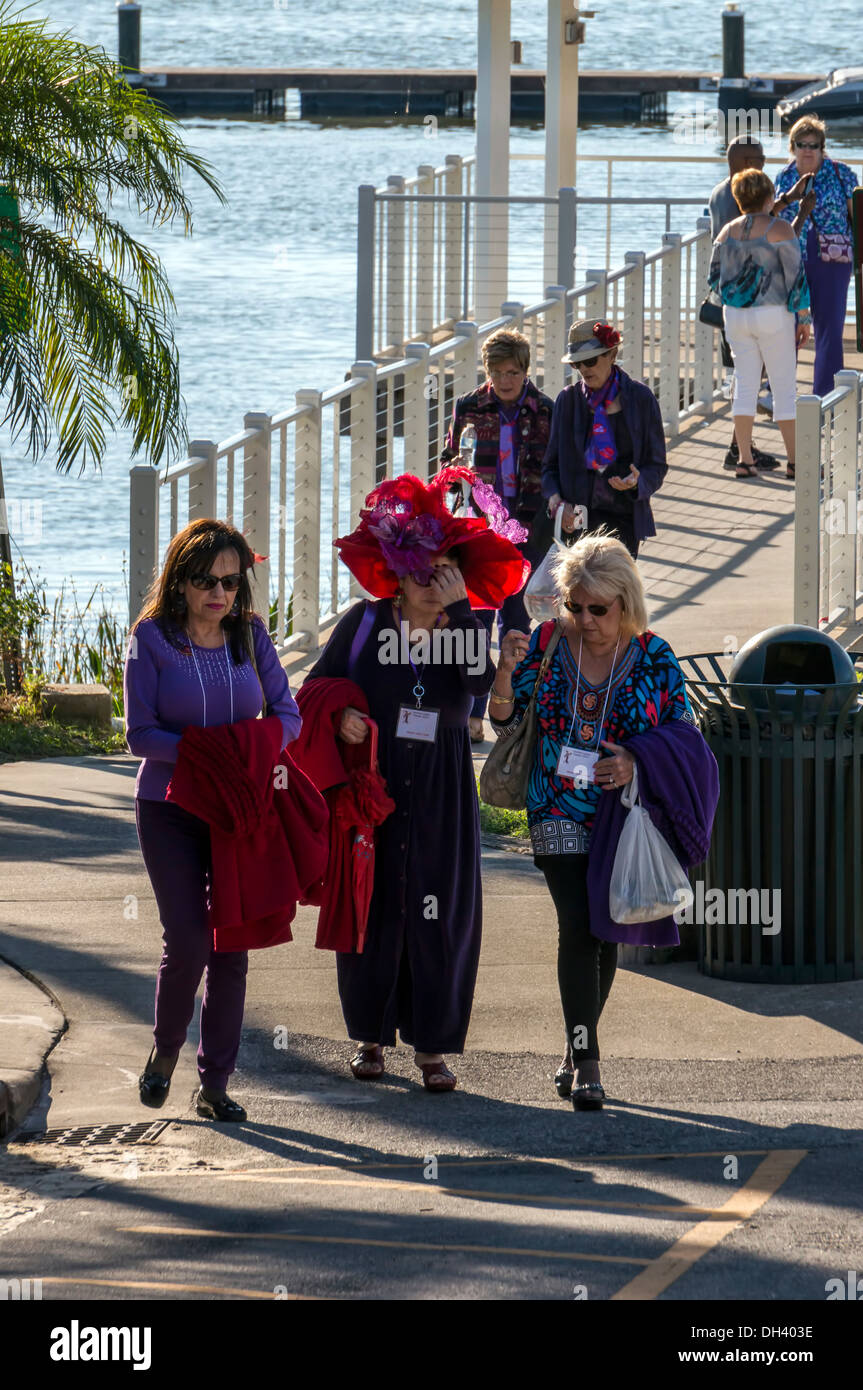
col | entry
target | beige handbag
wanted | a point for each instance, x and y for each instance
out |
(506, 771)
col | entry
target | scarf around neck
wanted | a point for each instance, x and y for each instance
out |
(601, 450)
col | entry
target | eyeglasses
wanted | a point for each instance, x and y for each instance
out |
(596, 610)
(588, 361)
(506, 376)
(229, 582)
(804, 145)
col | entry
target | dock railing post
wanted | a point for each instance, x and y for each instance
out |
(512, 309)
(632, 349)
(256, 505)
(363, 445)
(416, 413)
(307, 522)
(143, 533)
(845, 445)
(566, 234)
(807, 530)
(669, 335)
(703, 335)
(202, 483)
(425, 269)
(554, 344)
(396, 254)
(453, 219)
(596, 299)
(367, 256)
(465, 359)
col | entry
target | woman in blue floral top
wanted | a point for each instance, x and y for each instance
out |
(825, 239)
(607, 679)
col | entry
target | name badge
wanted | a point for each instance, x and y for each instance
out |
(420, 724)
(577, 763)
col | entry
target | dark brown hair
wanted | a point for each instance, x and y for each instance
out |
(192, 551)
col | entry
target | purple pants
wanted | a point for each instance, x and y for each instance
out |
(828, 292)
(176, 850)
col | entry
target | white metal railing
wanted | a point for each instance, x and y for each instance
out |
(828, 530)
(294, 481)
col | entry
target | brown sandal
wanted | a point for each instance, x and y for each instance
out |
(746, 470)
(368, 1057)
(437, 1072)
(789, 471)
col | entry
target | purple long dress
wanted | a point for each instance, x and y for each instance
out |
(418, 970)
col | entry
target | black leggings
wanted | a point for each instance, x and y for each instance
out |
(585, 965)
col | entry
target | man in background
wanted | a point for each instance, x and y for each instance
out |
(745, 152)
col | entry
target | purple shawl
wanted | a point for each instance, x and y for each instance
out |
(678, 784)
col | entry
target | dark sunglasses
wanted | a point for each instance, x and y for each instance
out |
(596, 610)
(802, 145)
(589, 361)
(229, 582)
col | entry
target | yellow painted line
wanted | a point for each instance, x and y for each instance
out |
(176, 1288)
(435, 1186)
(768, 1177)
(382, 1244)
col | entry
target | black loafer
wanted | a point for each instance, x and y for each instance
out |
(153, 1087)
(589, 1097)
(563, 1079)
(222, 1109)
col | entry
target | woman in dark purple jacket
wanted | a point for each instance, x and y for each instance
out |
(607, 447)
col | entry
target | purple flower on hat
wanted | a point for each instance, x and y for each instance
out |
(498, 517)
(406, 541)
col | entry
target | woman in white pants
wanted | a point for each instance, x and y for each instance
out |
(757, 270)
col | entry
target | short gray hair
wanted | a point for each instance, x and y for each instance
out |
(602, 565)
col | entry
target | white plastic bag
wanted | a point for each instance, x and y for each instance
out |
(540, 596)
(647, 881)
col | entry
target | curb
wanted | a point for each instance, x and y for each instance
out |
(32, 1022)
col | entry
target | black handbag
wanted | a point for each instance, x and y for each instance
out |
(711, 314)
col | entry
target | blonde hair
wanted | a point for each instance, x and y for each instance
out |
(807, 125)
(602, 565)
(506, 343)
(751, 189)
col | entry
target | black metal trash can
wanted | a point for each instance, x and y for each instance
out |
(780, 896)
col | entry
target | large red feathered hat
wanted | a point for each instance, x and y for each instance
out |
(406, 521)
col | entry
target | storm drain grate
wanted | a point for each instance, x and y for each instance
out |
(88, 1136)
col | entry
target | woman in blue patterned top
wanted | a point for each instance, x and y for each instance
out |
(608, 678)
(825, 239)
(758, 271)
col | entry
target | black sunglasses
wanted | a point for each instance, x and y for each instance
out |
(801, 145)
(596, 610)
(229, 582)
(589, 361)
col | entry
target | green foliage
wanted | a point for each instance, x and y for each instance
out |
(85, 307)
(23, 735)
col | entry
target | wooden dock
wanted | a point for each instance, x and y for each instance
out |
(448, 93)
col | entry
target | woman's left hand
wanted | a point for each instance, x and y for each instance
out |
(622, 484)
(447, 585)
(801, 336)
(615, 770)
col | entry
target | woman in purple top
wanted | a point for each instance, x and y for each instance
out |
(189, 663)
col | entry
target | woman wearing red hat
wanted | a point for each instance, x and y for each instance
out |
(420, 656)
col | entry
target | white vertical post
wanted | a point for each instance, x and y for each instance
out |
(632, 348)
(669, 333)
(512, 309)
(256, 505)
(425, 268)
(554, 341)
(363, 445)
(307, 522)
(416, 412)
(704, 335)
(807, 530)
(567, 214)
(844, 548)
(143, 533)
(492, 156)
(202, 483)
(596, 299)
(396, 254)
(453, 218)
(561, 118)
(466, 359)
(366, 262)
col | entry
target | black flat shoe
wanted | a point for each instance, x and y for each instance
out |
(563, 1079)
(222, 1109)
(588, 1097)
(153, 1087)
